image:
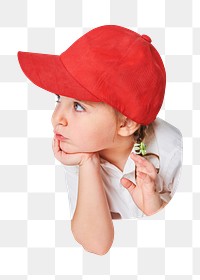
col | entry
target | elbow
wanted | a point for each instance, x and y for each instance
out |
(103, 250)
(97, 249)
(95, 246)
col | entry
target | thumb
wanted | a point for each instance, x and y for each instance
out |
(130, 186)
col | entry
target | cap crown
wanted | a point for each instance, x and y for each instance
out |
(121, 68)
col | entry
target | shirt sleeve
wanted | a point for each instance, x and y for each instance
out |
(174, 172)
(168, 187)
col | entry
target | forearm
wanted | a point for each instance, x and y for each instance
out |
(92, 222)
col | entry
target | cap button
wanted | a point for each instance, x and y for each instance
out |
(147, 38)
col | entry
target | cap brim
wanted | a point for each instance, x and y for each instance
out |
(48, 72)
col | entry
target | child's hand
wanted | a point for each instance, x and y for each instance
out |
(70, 159)
(144, 192)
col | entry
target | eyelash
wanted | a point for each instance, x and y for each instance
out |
(58, 98)
(74, 103)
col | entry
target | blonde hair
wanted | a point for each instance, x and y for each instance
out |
(139, 134)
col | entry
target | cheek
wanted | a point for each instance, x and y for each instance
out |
(90, 137)
(95, 132)
(100, 132)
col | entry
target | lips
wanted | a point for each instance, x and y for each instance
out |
(59, 136)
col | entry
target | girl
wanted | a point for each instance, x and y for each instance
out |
(120, 160)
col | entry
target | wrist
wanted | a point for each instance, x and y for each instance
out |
(93, 159)
(153, 204)
(160, 207)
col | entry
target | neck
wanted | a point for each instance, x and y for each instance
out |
(118, 154)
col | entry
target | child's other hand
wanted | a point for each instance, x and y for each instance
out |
(70, 159)
(144, 192)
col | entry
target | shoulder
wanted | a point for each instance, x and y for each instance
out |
(169, 138)
(170, 145)
(162, 127)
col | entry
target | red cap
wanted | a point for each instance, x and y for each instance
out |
(110, 64)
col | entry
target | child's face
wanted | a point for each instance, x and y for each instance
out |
(89, 127)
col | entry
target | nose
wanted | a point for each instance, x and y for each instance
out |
(59, 117)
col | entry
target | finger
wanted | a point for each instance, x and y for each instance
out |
(146, 183)
(145, 170)
(57, 151)
(53, 144)
(130, 186)
(143, 164)
(145, 177)
(137, 157)
(140, 160)
(56, 145)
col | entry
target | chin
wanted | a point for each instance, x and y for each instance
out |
(73, 149)
(69, 150)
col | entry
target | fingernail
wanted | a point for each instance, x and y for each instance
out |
(138, 158)
(134, 154)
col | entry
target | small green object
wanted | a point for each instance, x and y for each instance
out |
(140, 148)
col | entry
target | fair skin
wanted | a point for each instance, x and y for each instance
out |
(89, 124)
(93, 132)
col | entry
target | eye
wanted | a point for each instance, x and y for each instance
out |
(76, 104)
(58, 98)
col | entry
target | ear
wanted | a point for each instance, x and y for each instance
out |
(127, 127)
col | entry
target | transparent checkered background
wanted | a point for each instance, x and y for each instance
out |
(35, 236)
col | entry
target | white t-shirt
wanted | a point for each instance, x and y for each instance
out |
(162, 139)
